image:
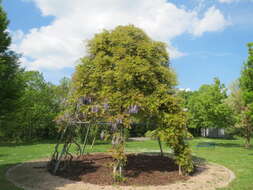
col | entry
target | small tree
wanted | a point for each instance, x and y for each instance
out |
(126, 75)
(246, 86)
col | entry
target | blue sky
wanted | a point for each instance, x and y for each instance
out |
(207, 39)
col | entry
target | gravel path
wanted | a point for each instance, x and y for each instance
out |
(34, 176)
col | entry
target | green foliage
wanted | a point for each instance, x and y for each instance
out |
(185, 96)
(241, 102)
(207, 107)
(10, 82)
(173, 132)
(246, 78)
(139, 129)
(235, 102)
(62, 92)
(28, 104)
(126, 133)
(126, 77)
(246, 98)
(124, 68)
(37, 108)
(151, 134)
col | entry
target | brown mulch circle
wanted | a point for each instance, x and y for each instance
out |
(33, 175)
(140, 170)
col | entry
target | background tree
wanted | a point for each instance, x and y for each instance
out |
(236, 103)
(207, 107)
(62, 91)
(246, 86)
(185, 96)
(38, 106)
(126, 76)
(10, 81)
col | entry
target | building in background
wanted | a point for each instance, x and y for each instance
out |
(213, 132)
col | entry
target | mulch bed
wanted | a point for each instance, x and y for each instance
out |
(140, 170)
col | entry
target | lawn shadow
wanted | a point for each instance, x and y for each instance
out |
(148, 162)
(102, 143)
(4, 182)
(196, 159)
(231, 145)
(199, 162)
(14, 144)
(222, 138)
(77, 169)
(3, 155)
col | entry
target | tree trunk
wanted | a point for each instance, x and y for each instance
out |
(179, 170)
(30, 131)
(160, 146)
(114, 171)
(119, 154)
(248, 132)
(85, 140)
(93, 143)
(247, 142)
(247, 137)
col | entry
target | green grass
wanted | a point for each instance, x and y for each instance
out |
(233, 155)
(229, 153)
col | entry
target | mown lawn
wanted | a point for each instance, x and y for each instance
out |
(229, 153)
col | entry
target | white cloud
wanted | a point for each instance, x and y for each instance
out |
(174, 52)
(213, 20)
(185, 89)
(61, 44)
(16, 35)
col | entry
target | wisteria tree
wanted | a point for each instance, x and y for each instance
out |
(127, 75)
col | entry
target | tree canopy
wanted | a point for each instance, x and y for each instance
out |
(125, 68)
(207, 107)
(246, 87)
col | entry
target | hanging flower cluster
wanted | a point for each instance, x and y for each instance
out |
(133, 109)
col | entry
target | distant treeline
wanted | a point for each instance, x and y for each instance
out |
(34, 110)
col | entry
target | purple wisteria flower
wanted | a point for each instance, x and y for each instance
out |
(133, 109)
(106, 106)
(94, 109)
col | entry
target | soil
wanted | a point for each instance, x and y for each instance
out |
(140, 170)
